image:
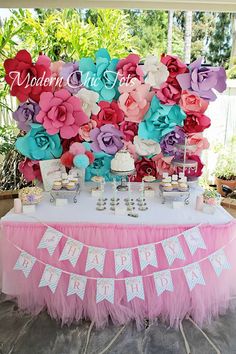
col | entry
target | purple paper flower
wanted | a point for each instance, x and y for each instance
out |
(168, 142)
(25, 114)
(72, 77)
(203, 79)
(106, 139)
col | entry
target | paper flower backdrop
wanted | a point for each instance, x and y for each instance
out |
(85, 111)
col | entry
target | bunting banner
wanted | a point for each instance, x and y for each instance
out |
(77, 285)
(71, 251)
(123, 260)
(95, 259)
(163, 281)
(173, 249)
(50, 240)
(134, 288)
(193, 275)
(194, 240)
(147, 256)
(25, 262)
(50, 277)
(105, 290)
(219, 262)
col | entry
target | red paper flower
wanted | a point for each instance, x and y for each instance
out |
(30, 170)
(66, 143)
(110, 113)
(26, 79)
(129, 130)
(196, 122)
(128, 68)
(144, 167)
(190, 172)
(174, 65)
(168, 94)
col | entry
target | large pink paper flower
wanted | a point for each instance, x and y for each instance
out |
(200, 143)
(61, 113)
(128, 69)
(135, 100)
(163, 164)
(168, 94)
(57, 81)
(190, 101)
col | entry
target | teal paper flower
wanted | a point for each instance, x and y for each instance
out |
(37, 144)
(100, 167)
(160, 120)
(100, 76)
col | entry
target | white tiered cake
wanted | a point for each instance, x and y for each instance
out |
(122, 162)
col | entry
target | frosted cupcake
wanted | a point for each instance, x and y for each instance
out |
(168, 187)
(183, 187)
(57, 185)
(70, 186)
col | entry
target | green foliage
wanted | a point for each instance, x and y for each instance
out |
(8, 136)
(218, 52)
(226, 165)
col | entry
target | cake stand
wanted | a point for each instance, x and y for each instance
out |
(65, 194)
(123, 174)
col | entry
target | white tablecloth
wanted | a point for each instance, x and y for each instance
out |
(85, 211)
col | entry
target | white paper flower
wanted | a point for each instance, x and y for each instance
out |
(157, 73)
(146, 147)
(89, 101)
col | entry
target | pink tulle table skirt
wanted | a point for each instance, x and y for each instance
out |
(202, 303)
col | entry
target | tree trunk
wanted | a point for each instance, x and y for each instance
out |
(188, 36)
(233, 49)
(170, 30)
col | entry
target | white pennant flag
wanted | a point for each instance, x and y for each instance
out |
(219, 262)
(134, 288)
(172, 249)
(163, 281)
(25, 262)
(147, 256)
(123, 260)
(95, 259)
(50, 240)
(77, 285)
(105, 290)
(194, 240)
(193, 275)
(71, 251)
(50, 277)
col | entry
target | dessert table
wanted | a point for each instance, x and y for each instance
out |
(122, 267)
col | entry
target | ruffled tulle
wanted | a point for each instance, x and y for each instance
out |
(202, 303)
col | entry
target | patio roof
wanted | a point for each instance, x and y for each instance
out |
(204, 5)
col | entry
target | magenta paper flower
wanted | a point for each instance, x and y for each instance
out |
(128, 69)
(129, 130)
(106, 139)
(135, 100)
(61, 113)
(203, 79)
(168, 94)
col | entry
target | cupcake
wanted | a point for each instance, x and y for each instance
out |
(168, 187)
(65, 182)
(70, 186)
(57, 185)
(175, 184)
(183, 187)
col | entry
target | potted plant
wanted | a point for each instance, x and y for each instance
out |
(225, 170)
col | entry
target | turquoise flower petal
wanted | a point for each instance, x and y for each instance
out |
(37, 144)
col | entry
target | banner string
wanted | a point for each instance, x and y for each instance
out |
(122, 279)
(112, 249)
